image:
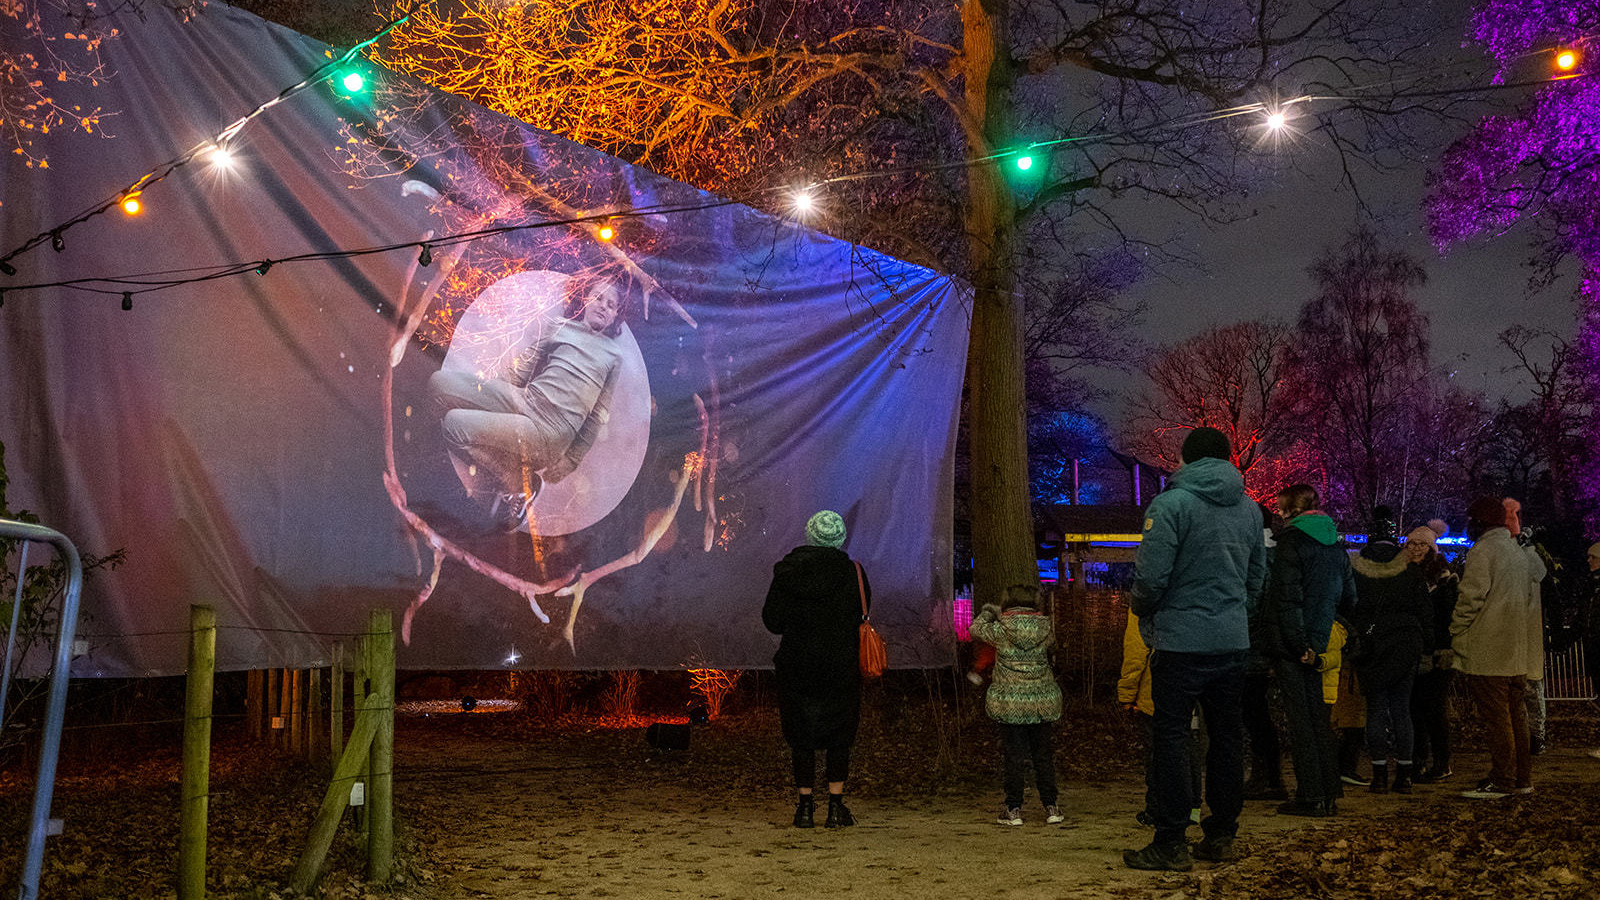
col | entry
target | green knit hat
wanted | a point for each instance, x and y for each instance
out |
(825, 529)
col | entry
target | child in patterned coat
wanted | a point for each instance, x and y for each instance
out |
(1024, 697)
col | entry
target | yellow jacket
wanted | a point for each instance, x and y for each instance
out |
(1133, 688)
(1329, 663)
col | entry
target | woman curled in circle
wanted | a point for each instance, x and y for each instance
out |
(512, 434)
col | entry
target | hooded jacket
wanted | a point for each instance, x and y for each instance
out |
(1309, 584)
(1024, 690)
(1489, 631)
(1201, 562)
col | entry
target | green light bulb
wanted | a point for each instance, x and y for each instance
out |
(353, 82)
(1024, 163)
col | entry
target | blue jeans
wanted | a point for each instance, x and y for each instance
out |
(1216, 682)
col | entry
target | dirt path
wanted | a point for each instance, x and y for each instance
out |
(599, 816)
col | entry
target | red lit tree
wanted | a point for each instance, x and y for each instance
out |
(1226, 378)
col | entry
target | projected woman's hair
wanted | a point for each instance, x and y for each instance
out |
(543, 380)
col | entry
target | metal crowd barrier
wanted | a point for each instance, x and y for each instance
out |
(60, 672)
(1566, 675)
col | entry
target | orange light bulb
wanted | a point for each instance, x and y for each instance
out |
(607, 232)
(131, 204)
(1566, 59)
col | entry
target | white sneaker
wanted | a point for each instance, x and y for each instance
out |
(1009, 816)
(1487, 791)
(1524, 791)
(1053, 816)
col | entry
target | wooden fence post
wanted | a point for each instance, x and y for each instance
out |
(380, 789)
(336, 702)
(196, 780)
(255, 686)
(362, 690)
(297, 714)
(313, 714)
(334, 801)
(271, 678)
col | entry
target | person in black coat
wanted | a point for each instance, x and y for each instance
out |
(1393, 619)
(1308, 586)
(815, 606)
(1430, 716)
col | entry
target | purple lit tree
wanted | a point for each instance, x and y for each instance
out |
(1539, 166)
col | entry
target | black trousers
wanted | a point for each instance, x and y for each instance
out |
(1024, 743)
(1178, 682)
(1266, 753)
(1430, 715)
(1311, 745)
(837, 767)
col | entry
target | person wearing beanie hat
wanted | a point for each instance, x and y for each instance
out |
(1205, 443)
(1513, 515)
(815, 607)
(1392, 616)
(1197, 572)
(1485, 513)
(1494, 616)
(1381, 526)
(1440, 528)
(825, 529)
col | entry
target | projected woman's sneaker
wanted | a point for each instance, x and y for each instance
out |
(545, 401)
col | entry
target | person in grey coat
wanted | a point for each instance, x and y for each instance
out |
(1489, 634)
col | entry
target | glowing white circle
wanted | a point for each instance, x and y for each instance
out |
(506, 318)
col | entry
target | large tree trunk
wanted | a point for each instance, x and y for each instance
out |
(1002, 521)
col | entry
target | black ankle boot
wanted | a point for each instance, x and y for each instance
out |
(1380, 780)
(1402, 779)
(804, 810)
(838, 814)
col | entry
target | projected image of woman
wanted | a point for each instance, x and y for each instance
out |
(535, 425)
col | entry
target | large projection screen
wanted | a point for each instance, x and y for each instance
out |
(542, 446)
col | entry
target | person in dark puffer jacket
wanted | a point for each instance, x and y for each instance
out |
(1309, 585)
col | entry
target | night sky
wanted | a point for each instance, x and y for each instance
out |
(1257, 268)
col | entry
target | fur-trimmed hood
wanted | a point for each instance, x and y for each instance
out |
(1372, 568)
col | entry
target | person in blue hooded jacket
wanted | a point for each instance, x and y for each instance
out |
(1198, 572)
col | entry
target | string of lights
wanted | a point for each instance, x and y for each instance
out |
(130, 198)
(803, 200)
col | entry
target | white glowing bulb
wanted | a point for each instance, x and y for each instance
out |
(1275, 121)
(804, 202)
(222, 158)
